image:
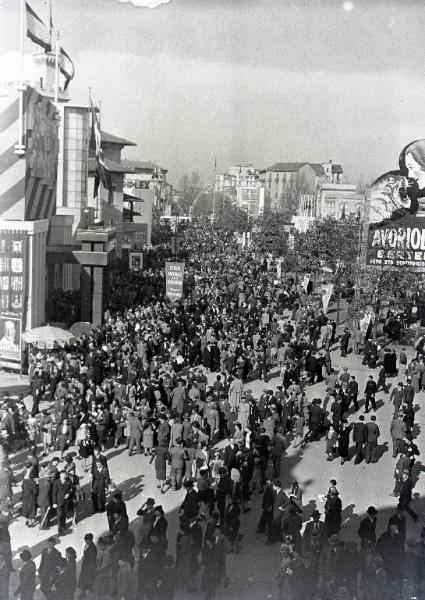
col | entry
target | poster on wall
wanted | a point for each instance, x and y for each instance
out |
(396, 230)
(12, 272)
(10, 338)
(135, 261)
(174, 275)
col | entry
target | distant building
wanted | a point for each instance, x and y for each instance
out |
(308, 191)
(243, 183)
(145, 190)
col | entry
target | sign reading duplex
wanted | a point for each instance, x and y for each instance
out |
(174, 274)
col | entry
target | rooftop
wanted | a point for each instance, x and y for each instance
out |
(108, 138)
(110, 165)
(293, 167)
(140, 165)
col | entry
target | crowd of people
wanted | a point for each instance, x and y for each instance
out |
(172, 382)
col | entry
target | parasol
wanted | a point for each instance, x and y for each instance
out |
(46, 334)
(82, 328)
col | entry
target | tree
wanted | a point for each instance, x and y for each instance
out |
(293, 190)
(229, 217)
(189, 186)
(329, 243)
(272, 234)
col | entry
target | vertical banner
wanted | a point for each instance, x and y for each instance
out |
(327, 290)
(174, 275)
(135, 261)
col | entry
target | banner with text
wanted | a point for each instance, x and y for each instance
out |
(174, 275)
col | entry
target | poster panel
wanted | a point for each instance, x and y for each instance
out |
(12, 272)
(174, 275)
(135, 260)
(10, 338)
(396, 232)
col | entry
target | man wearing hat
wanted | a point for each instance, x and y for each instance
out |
(314, 537)
(26, 587)
(367, 529)
(115, 506)
(88, 566)
(51, 559)
(190, 505)
(147, 511)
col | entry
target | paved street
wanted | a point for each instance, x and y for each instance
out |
(251, 572)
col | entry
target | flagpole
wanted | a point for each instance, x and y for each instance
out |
(215, 177)
(96, 215)
(56, 69)
(20, 147)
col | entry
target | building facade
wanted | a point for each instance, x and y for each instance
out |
(242, 182)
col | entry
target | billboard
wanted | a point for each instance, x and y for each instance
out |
(174, 275)
(396, 223)
(10, 339)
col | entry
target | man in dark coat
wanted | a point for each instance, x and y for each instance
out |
(390, 546)
(359, 438)
(115, 506)
(47, 571)
(367, 529)
(344, 341)
(266, 517)
(26, 587)
(405, 497)
(88, 566)
(190, 505)
(60, 493)
(280, 503)
(316, 419)
(352, 392)
(373, 434)
(333, 510)
(314, 537)
(100, 481)
(229, 456)
(370, 391)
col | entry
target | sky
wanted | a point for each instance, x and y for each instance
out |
(244, 81)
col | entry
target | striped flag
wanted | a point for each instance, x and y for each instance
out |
(37, 30)
(66, 67)
(102, 173)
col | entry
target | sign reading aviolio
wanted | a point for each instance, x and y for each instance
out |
(396, 231)
(174, 275)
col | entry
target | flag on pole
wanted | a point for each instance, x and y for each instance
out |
(102, 173)
(37, 30)
(305, 282)
(66, 67)
(327, 290)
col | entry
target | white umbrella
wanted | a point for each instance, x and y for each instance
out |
(46, 334)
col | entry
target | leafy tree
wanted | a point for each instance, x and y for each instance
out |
(329, 243)
(272, 234)
(229, 216)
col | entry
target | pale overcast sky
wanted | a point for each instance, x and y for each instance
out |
(251, 81)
